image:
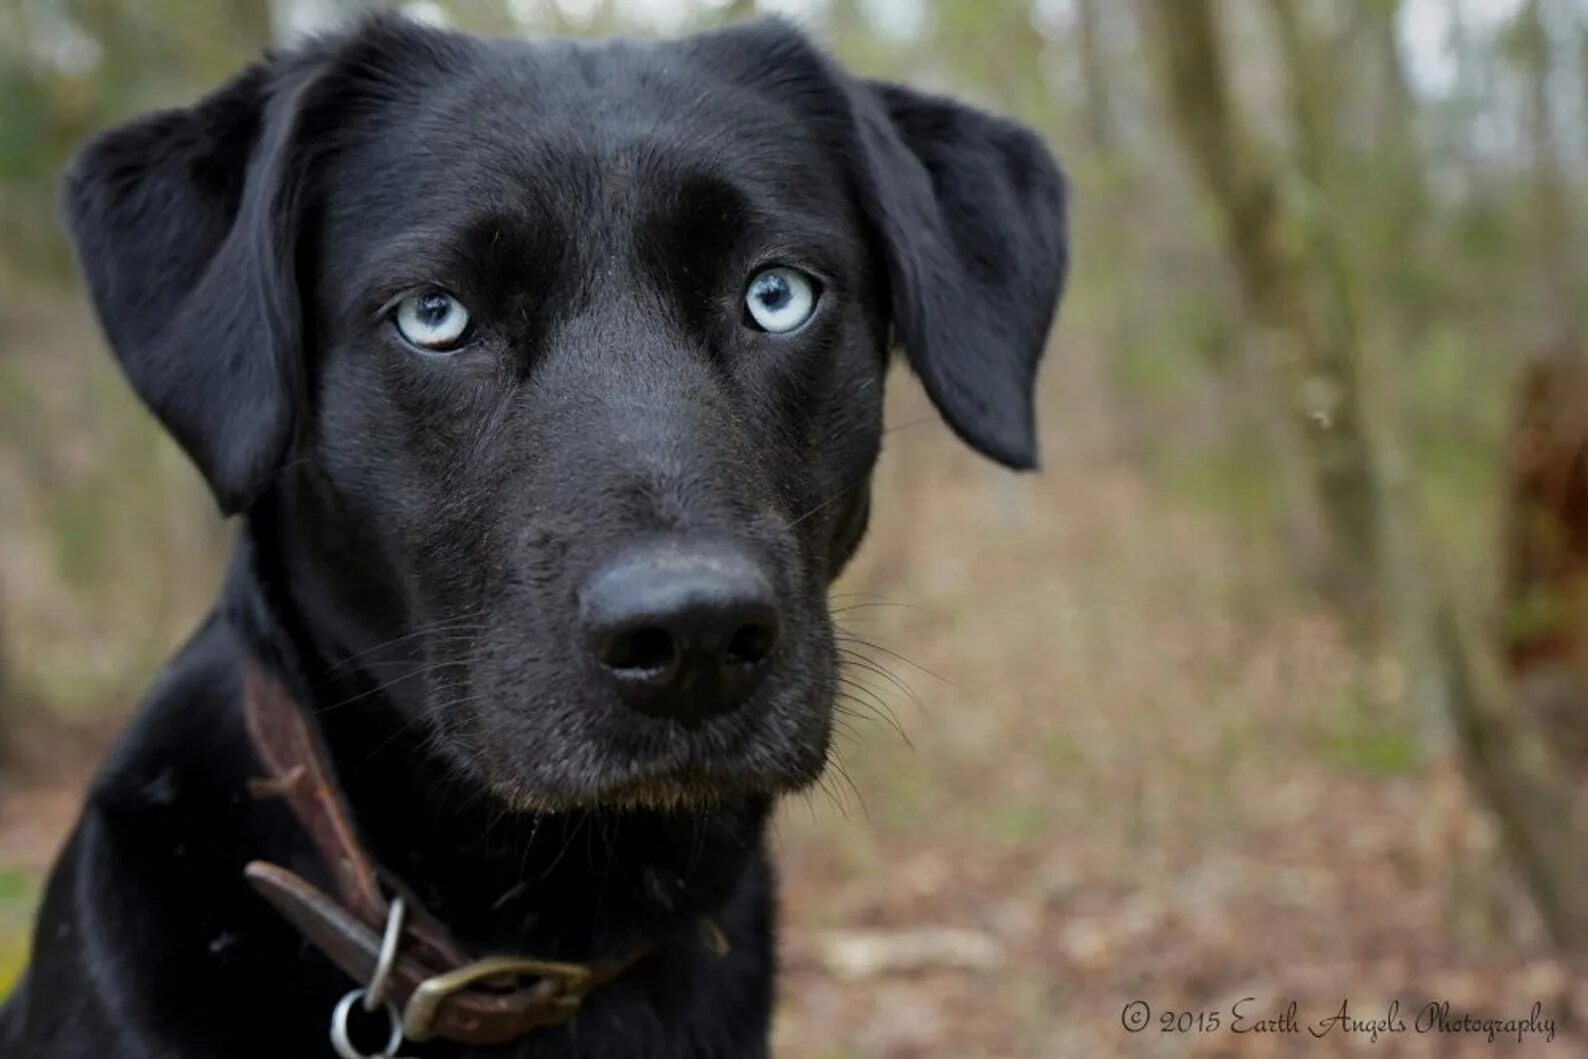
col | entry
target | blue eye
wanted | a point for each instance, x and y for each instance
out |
(434, 322)
(780, 300)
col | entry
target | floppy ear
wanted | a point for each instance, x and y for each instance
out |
(970, 212)
(185, 225)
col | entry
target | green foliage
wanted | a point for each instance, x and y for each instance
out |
(1235, 478)
(1368, 738)
(1373, 752)
(18, 896)
(1021, 824)
(1065, 754)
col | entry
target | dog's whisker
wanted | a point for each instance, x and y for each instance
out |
(841, 494)
(369, 692)
(452, 629)
(850, 657)
(860, 641)
(846, 728)
(840, 766)
(438, 663)
(401, 730)
(859, 688)
(875, 604)
(860, 713)
(423, 669)
(907, 424)
(833, 799)
(878, 705)
(840, 802)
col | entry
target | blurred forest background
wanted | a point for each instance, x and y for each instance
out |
(1274, 683)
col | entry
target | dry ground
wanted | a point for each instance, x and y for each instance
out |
(1157, 776)
(1131, 766)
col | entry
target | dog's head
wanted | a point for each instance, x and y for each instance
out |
(560, 367)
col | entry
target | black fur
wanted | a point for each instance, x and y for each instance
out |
(416, 527)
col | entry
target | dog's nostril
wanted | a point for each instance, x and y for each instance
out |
(751, 644)
(649, 649)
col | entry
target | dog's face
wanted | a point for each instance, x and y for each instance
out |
(559, 368)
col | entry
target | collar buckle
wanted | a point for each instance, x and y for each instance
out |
(558, 990)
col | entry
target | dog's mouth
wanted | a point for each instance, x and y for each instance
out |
(665, 789)
(780, 749)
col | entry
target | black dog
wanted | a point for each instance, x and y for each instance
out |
(548, 380)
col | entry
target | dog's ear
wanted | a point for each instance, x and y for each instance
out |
(970, 210)
(185, 224)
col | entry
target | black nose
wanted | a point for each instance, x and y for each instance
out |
(686, 630)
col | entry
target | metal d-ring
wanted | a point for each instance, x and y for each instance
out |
(343, 1045)
(375, 994)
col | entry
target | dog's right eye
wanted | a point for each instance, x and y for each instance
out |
(780, 300)
(433, 322)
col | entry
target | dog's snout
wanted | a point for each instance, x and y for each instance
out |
(686, 631)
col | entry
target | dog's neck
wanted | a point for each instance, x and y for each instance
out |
(567, 885)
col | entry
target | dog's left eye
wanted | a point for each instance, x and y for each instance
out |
(780, 300)
(435, 322)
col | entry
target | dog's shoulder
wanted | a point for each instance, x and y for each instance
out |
(163, 832)
(188, 730)
(147, 907)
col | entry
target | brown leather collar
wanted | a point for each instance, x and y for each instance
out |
(440, 990)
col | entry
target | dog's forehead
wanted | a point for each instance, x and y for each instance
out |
(585, 126)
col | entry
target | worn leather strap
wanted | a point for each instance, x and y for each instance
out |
(441, 990)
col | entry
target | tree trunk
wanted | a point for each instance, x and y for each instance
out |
(1094, 76)
(1315, 336)
(8, 704)
(1513, 766)
(1402, 212)
(1552, 217)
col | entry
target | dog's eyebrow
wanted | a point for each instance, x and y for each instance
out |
(751, 208)
(413, 256)
(432, 255)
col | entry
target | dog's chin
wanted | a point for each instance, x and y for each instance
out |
(667, 794)
(676, 791)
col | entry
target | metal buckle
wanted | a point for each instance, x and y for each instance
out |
(569, 983)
